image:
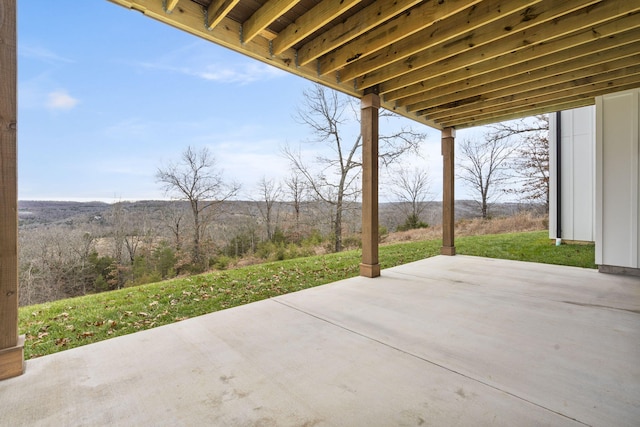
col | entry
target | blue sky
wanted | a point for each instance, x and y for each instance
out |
(106, 95)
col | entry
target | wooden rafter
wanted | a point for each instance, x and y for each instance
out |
(308, 23)
(524, 112)
(531, 107)
(171, 5)
(502, 83)
(403, 26)
(264, 16)
(523, 61)
(538, 27)
(507, 78)
(558, 87)
(218, 10)
(445, 33)
(354, 26)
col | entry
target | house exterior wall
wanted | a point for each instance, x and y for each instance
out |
(578, 175)
(617, 179)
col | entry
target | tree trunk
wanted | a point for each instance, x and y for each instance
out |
(196, 233)
(337, 225)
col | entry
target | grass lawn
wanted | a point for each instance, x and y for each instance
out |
(65, 324)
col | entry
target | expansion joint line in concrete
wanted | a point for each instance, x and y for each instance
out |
(453, 371)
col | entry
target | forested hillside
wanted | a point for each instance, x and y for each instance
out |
(73, 248)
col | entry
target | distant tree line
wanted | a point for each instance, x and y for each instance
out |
(315, 209)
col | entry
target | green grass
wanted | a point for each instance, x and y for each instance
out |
(534, 247)
(74, 322)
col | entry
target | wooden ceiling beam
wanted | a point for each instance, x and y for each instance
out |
(218, 10)
(459, 30)
(354, 26)
(263, 17)
(170, 5)
(541, 28)
(404, 25)
(523, 61)
(556, 88)
(494, 39)
(594, 89)
(517, 114)
(310, 22)
(598, 52)
(531, 108)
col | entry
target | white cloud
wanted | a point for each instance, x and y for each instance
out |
(208, 63)
(27, 50)
(61, 100)
(238, 73)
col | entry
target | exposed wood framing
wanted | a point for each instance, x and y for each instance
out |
(405, 25)
(264, 16)
(562, 87)
(354, 26)
(171, 5)
(11, 345)
(218, 10)
(487, 45)
(308, 23)
(517, 65)
(447, 34)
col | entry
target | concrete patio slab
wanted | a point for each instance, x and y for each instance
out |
(443, 341)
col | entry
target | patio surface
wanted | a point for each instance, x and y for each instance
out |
(447, 341)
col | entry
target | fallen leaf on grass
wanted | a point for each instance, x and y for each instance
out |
(62, 341)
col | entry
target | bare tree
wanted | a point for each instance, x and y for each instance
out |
(116, 218)
(530, 164)
(138, 233)
(484, 168)
(172, 217)
(196, 180)
(54, 263)
(411, 187)
(328, 114)
(270, 193)
(296, 189)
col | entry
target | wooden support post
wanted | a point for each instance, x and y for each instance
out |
(11, 345)
(370, 266)
(448, 196)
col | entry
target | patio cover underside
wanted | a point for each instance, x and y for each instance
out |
(443, 341)
(445, 63)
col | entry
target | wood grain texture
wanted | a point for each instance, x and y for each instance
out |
(8, 177)
(370, 266)
(11, 346)
(448, 192)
